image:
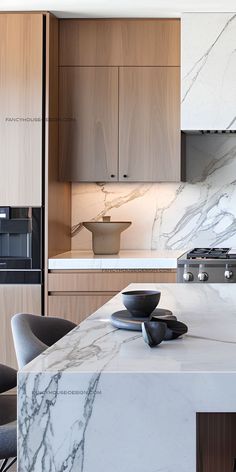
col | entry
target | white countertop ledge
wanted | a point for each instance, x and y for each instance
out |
(142, 259)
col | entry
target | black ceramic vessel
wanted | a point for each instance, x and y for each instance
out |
(153, 332)
(173, 328)
(141, 303)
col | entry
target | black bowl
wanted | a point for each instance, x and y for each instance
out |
(141, 303)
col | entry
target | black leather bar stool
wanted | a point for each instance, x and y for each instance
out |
(33, 334)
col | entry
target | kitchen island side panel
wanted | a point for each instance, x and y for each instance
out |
(116, 421)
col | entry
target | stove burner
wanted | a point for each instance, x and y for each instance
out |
(208, 253)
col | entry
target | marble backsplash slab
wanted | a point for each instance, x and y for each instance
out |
(198, 213)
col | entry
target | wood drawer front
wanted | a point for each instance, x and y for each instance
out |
(126, 42)
(99, 281)
(76, 307)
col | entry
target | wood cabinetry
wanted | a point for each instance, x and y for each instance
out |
(76, 294)
(21, 99)
(149, 124)
(57, 227)
(146, 122)
(15, 299)
(216, 442)
(120, 42)
(29, 147)
(89, 123)
(120, 100)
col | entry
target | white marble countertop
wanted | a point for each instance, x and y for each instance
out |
(142, 259)
(209, 310)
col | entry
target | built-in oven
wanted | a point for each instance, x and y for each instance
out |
(20, 245)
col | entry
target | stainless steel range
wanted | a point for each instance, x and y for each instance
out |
(213, 265)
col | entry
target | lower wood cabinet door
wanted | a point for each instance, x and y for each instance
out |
(76, 307)
(15, 299)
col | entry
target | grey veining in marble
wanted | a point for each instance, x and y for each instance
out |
(208, 59)
(200, 212)
(91, 401)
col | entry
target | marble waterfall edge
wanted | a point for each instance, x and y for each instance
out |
(100, 399)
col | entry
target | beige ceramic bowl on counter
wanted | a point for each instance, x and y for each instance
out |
(106, 235)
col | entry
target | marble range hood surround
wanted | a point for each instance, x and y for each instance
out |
(208, 67)
(169, 216)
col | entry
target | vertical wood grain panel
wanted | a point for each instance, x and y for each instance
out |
(15, 299)
(88, 123)
(57, 194)
(216, 442)
(120, 42)
(21, 65)
(149, 124)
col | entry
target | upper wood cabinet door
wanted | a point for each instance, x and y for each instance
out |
(149, 124)
(120, 42)
(21, 98)
(88, 132)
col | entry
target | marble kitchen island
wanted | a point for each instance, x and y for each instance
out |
(100, 400)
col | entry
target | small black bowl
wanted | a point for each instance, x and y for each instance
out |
(141, 303)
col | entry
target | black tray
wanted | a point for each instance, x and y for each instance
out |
(124, 320)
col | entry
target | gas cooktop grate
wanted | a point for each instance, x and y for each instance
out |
(208, 253)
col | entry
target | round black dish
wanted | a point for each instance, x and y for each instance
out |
(124, 320)
(141, 303)
(174, 328)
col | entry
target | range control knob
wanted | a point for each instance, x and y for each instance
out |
(228, 274)
(203, 276)
(188, 276)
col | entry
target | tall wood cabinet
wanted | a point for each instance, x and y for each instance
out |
(21, 109)
(28, 148)
(120, 101)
